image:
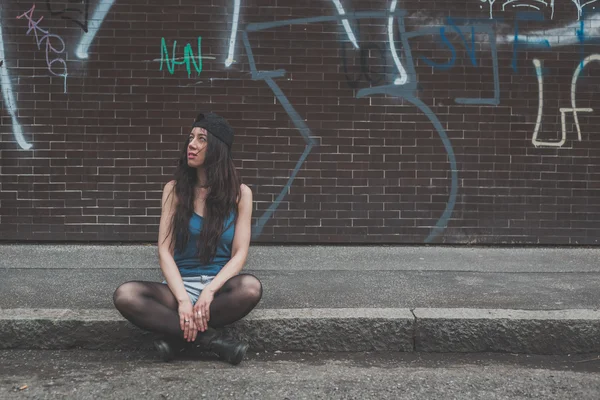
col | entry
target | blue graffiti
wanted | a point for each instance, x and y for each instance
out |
(540, 40)
(449, 64)
(297, 120)
(405, 91)
(469, 47)
(526, 16)
(581, 38)
(400, 92)
(472, 27)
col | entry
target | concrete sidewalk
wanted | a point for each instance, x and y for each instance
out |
(330, 298)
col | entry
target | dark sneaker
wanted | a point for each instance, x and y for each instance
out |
(229, 350)
(164, 349)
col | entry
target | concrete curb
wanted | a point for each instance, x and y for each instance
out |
(350, 329)
(513, 331)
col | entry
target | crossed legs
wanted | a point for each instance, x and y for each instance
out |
(152, 306)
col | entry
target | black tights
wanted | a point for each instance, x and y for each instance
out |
(153, 307)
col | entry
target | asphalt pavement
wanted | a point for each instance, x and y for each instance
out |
(411, 376)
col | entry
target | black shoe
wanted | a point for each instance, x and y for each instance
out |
(229, 350)
(169, 348)
(165, 351)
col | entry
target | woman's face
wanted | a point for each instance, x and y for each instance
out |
(196, 150)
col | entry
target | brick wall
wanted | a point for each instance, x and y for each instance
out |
(349, 129)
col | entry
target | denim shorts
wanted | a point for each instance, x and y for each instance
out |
(194, 285)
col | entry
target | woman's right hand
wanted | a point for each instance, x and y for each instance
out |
(186, 321)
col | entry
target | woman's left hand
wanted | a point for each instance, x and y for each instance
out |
(202, 309)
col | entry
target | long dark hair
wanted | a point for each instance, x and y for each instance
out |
(223, 183)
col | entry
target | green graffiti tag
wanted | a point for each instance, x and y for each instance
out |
(187, 59)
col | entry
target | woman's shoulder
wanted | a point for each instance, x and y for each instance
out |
(245, 195)
(169, 192)
(245, 190)
(169, 187)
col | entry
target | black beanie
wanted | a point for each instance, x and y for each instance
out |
(216, 125)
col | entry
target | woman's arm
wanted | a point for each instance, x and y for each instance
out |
(241, 242)
(165, 247)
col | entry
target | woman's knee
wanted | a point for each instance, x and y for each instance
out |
(125, 295)
(251, 287)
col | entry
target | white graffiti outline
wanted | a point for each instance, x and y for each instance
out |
(538, 122)
(581, 6)
(234, 29)
(528, 5)
(9, 98)
(507, 2)
(491, 3)
(345, 22)
(574, 109)
(523, 5)
(94, 24)
(563, 111)
(403, 75)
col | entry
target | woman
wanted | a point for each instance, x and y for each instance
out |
(204, 235)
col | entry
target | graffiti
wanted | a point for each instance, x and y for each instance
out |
(580, 6)
(474, 40)
(65, 12)
(568, 35)
(366, 74)
(538, 5)
(538, 72)
(188, 57)
(470, 48)
(491, 3)
(563, 111)
(94, 24)
(9, 98)
(405, 84)
(236, 16)
(461, 30)
(450, 63)
(345, 23)
(234, 29)
(297, 119)
(574, 109)
(403, 79)
(573, 33)
(407, 93)
(404, 92)
(541, 42)
(33, 26)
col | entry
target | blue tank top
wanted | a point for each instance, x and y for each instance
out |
(188, 262)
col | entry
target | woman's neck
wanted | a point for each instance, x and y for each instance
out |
(201, 182)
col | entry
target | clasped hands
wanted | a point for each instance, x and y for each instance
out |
(195, 318)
